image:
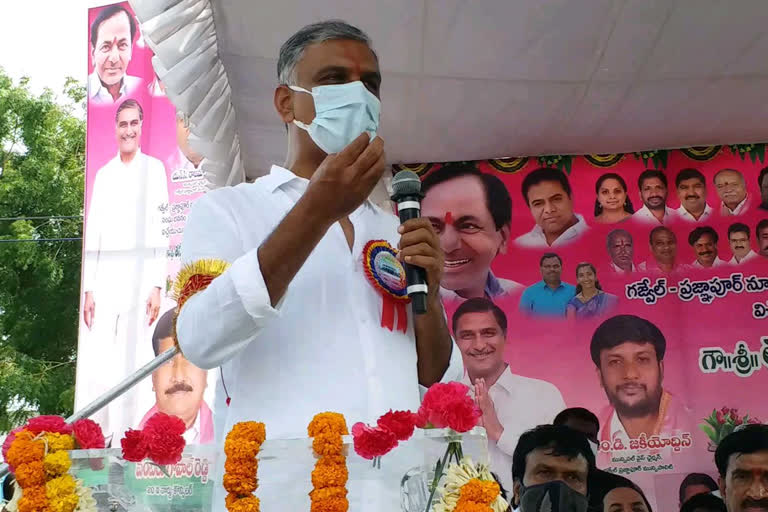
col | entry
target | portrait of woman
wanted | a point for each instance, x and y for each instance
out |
(612, 203)
(590, 300)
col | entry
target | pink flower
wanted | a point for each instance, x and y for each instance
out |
(400, 423)
(372, 442)
(51, 424)
(720, 417)
(449, 405)
(88, 434)
(134, 446)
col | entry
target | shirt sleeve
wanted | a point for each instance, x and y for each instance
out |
(93, 230)
(214, 325)
(525, 301)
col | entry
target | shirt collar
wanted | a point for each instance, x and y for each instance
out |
(493, 287)
(569, 233)
(739, 207)
(95, 86)
(544, 285)
(280, 176)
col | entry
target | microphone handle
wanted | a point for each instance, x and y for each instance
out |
(410, 208)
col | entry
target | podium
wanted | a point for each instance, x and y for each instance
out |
(400, 481)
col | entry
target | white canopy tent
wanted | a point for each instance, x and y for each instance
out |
(481, 79)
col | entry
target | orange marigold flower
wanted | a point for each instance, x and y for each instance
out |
(326, 423)
(30, 474)
(246, 504)
(329, 476)
(478, 491)
(328, 492)
(59, 442)
(243, 467)
(249, 431)
(327, 444)
(330, 505)
(239, 484)
(25, 450)
(33, 499)
(471, 506)
(332, 460)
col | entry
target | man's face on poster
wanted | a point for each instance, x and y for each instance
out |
(129, 130)
(731, 188)
(551, 270)
(745, 486)
(551, 206)
(739, 242)
(621, 250)
(178, 384)
(764, 189)
(113, 49)
(706, 250)
(458, 210)
(692, 194)
(654, 193)
(481, 341)
(632, 375)
(664, 247)
(762, 241)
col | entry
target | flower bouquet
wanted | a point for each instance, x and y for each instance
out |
(469, 486)
(722, 422)
(161, 440)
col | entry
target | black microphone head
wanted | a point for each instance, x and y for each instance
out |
(406, 183)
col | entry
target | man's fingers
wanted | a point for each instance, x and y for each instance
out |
(354, 149)
(370, 159)
(417, 236)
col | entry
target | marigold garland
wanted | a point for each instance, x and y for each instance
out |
(329, 478)
(241, 447)
(56, 464)
(58, 442)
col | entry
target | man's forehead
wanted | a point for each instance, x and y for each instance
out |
(729, 176)
(749, 461)
(344, 53)
(477, 320)
(545, 456)
(631, 347)
(692, 181)
(114, 26)
(653, 182)
(545, 189)
(660, 236)
(128, 114)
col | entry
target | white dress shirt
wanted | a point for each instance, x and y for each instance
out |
(97, 93)
(750, 256)
(192, 434)
(644, 214)
(620, 270)
(742, 207)
(536, 238)
(717, 263)
(686, 215)
(521, 404)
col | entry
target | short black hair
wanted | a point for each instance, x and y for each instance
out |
(107, 13)
(689, 174)
(497, 198)
(479, 305)
(163, 329)
(696, 479)
(129, 103)
(745, 440)
(704, 502)
(622, 329)
(738, 227)
(541, 175)
(701, 231)
(560, 440)
(610, 481)
(763, 224)
(658, 229)
(548, 255)
(577, 413)
(651, 173)
(762, 175)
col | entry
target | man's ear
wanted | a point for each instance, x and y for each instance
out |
(284, 103)
(516, 489)
(504, 231)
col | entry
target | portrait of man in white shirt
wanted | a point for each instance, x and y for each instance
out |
(124, 270)
(739, 240)
(732, 190)
(113, 33)
(548, 195)
(621, 250)
(691, 189)
(511, 404)
(761, 234)
(704, 242)
(653, 192)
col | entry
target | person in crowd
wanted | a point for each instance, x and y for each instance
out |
(582, 420)
(551, 469)
(742, 463)
(695, 484)
(179, 386)
(732, 189)
(113, 33)
(663, 242)
(708, 502)
(704, 240)
(628, 352)
(738, 238)
(621, 251)
(471, 212)
(653, 193)
(480, 331)
(548, 195)
(590, 300)
(761, 234)
(762, 182)
(623, 495)
(612, 203)
(691, 189)
(550, 296)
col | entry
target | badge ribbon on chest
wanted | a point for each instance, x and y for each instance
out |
(387, 275)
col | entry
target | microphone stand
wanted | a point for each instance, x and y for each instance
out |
(116, 391)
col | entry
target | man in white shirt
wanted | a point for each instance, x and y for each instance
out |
(124, 270)
(653, 192)
(692, 191)
(511, 404)
(621, 251)
(112, 35)
(471, 212)
(704, 242)
(738, 239)
(547, 193)
(761, 234)
(732, 190)
(294, 320)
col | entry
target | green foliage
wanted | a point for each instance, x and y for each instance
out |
(42, 156)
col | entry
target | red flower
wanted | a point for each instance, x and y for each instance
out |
(9, 440)
(164, 436)
(400, 423)
(720, 417)
(449, 405)
(88, 434)
(134, 446)
(372, 442)
(49, 424)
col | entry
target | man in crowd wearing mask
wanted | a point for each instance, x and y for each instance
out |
(480, 331)
(695, 484)
(732, 190)
(551, 470)
(692, 191)
(742, 462)
(704, 242)
(550, 296)
(738, 239)
(294, 320)
(621, 250)
(653, 193)
(471, 212)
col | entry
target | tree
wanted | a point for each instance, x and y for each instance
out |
(42, 162)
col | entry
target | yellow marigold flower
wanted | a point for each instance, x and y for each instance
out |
(243, 467)
(64, 504)
(332, 460)
(56, 464)
(246, 504)
(30, 474)
(33, 499)
(58, 442)
(328, 492)
(327, 444)
(24, 449)
(326, 423)
(330, 505)
(249, 431)
(60, 487)
(239, 484)
(471, 506)
(329, 476)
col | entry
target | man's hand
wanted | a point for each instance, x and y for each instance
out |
(345, 179)
(490, 420)
(153, 305)
(89, 310)
(420, 246)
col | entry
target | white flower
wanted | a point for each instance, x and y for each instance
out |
(455, 477)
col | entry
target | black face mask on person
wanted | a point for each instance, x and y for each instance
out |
(554, 496)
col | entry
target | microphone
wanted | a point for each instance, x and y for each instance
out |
(406, 192)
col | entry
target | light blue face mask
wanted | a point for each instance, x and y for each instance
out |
(342, 113)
